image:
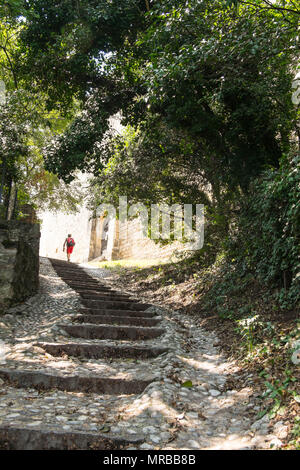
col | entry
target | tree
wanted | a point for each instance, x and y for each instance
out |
(25, 128)
(222, 78)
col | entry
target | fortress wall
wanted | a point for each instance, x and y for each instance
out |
(132, 245)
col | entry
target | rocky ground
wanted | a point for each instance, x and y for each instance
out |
(180, 399)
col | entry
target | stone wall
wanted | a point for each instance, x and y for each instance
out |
(19, 261)
(104, 247)
(131, 244)
(125, 241)
(95, 241)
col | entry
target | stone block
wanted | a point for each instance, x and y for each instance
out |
(19, 261)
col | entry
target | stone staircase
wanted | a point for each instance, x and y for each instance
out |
(109, 326)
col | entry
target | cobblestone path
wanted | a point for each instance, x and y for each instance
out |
(88, 367)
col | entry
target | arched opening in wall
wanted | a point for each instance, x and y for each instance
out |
(102, 239)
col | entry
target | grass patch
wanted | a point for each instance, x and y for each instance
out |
(128, 264)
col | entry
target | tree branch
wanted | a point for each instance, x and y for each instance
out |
(274, 7)
(11, 66)
(270, 6)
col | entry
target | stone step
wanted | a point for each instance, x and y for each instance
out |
(106, 294)
(111, 320)
(90, 286)
(68, 267)
(90, 282)
(76, 274)
(108, 297)
(96, 290)
(24, 438)
(131, 333)
(71, 269)
(117, 313)
(99, 292)
(119, 305)
(75, 278)
(42, 380)
(63, 270)
(94, 351)
(67, 272)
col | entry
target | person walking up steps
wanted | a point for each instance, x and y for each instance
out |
(69, 241)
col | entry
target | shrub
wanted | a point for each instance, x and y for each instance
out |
(267, 233)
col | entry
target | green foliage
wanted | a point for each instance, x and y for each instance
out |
(187, 384)
(267, 235)
(65, 45)
(220, 78)
(160, 167)
(75, 149)
(25, 129)
(278, 391)
(296, 433)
